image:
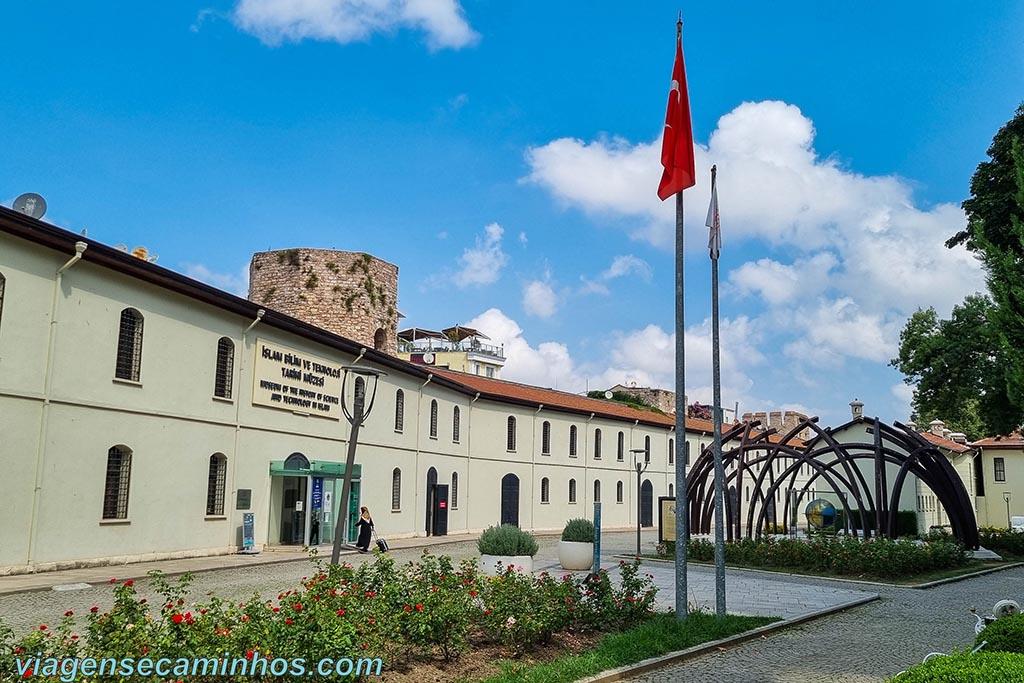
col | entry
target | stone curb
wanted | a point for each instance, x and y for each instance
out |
(632, 670)
(916, 586)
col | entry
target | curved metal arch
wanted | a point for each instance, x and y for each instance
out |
(838, 464)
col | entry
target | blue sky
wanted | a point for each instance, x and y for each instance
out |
(505, 157)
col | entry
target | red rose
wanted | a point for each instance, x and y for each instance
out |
(113, 581)
(143, 601)
(250, 654)
(341, 612)
(408, 609)
(297, 606)
(177, 618)
(42, 627)
(129, 583)
(288, 621)
(69, 613)
(94, 609)
(419, 607)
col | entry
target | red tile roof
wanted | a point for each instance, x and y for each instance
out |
(941, 442)
(1014, 441)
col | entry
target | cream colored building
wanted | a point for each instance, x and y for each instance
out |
(142, 414)
(999, 479)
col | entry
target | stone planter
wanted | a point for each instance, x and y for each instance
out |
(574, 556)
(489, 563)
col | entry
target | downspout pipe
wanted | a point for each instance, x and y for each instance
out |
(44, 418)
(419, 422)
(238, 426)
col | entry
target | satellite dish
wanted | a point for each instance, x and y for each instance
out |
(608, 394)
(1005, 608)
(30, 203)
(121, 247)
(428, 358)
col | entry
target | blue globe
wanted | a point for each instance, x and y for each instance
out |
(820, 513)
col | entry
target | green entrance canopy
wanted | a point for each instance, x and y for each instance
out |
(317, 468)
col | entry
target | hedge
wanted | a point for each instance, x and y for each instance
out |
(981, 667)
(1004, 635)
(1001, 540)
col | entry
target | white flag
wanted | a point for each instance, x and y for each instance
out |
(715, 237)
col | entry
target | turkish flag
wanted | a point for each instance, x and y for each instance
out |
(677, 144)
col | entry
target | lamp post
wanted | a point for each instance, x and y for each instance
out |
(356, 417)
(1009, 521)
(640, 465)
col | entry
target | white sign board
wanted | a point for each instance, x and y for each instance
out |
(296, 381)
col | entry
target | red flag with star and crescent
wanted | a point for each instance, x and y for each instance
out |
(677, 143)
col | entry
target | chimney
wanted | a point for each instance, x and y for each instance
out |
(936, 427)
(857, 408)
(946, 433)
(912, 426)
(959, 437)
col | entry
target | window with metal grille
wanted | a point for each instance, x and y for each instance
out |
(572, 441)
(545, 438)
(620, 452)
(671, 451)
(618, 492)
(510, 441)
(433, 419)
(455, 490)
(396, 489)
(597, 490)
(572, 490)
(647, 449)
(999, 469)
(225, 367)
(3, 283)
(129, 346)
(399, 410)
(456, 416)
(597, 444)
(115, 492)
(216, 484)
(545, 490)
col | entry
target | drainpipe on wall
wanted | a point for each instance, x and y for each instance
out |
(44, 418)
(416, 468)
(238, 429)
(533, 470)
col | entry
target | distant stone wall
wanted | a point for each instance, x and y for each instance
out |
(662, 399)
(351, 294)
(782, 421)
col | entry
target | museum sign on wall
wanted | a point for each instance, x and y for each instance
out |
(296, 381)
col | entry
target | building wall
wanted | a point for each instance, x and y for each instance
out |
(351, 294)
(992, 506)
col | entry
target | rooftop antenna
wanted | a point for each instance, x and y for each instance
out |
(31, 204)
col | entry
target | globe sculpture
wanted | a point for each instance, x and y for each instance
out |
(820, 513)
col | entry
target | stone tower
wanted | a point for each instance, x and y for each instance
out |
(351, 294)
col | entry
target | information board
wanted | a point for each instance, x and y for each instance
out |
(296, 381)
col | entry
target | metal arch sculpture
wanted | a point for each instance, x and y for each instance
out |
(772, 463)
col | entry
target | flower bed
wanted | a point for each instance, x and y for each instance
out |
(1001, 540)
(880, 557)
(427, 611)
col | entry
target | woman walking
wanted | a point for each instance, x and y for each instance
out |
(365, 525)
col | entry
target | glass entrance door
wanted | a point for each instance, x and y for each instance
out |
(327, 512)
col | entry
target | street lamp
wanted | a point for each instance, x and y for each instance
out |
(356, 417)
(1009, 521)
(640, 468)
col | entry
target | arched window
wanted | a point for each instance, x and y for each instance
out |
(3, 282)
(360, 390)
(618, 492)
(671, 489)
(455, 424)
(455, 490)
(396, 489)
(597, 444)
(433, 418)
(572, 490)
(116, 485)
(597, 490)
(620, 452)
(572, 441)
(545, 490)
(647, 449)
(225, 367)
(129, 346)
(545, 438)
(379, 339)
(216, 484)
(671, 451)
(511, 436)
(399, 410)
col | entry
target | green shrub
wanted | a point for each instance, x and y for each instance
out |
(578, 531)
(1001, 540)
(1004, 635)
(506, 539)
(981, 667)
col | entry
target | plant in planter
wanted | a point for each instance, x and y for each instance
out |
(507, 545)
(576, 550)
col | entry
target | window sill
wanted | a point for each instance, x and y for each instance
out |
(129, 382)
(545, 502)
(433, 438)
(215, 518)
(399, 431)
(114, 522)
(543, 453)
(222, 399)
(394, 510)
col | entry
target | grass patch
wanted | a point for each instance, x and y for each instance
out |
(909, 579)
(659, 636)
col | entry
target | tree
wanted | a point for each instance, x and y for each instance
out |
(959, 368)
(995, 233)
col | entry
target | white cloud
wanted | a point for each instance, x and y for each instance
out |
(482, 264)
(832, 330)
(345, 21)
(236, 283)
(522, 238)
(778, 283)
(548, 364)
(628, 265)
(539, 299)
(904, 395)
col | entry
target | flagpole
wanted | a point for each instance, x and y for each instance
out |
(717, 413)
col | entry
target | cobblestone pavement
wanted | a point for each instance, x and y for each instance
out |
(860, 645)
